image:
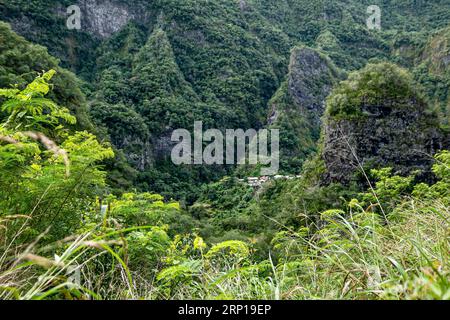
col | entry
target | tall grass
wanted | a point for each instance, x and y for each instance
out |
(73, 268)
(353, 256)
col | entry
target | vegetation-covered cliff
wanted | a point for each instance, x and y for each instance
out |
(359, 209)
(379, 118)
(228, 58)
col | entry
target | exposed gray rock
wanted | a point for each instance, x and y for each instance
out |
(311, 78)
(24, 25)
(404, 138)
(105, 17)
(299, 104)
(242, 5)
(164, 145)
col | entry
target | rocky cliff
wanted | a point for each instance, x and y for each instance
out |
(377, 118)
(299, 104)
(435, 60)
(152, 66)
(105, 17)
(310, 80)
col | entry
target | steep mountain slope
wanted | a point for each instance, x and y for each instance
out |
(298, 105)
(220, 70)
(378, 118)
(154, 66)
(433, 70)
(20, 60)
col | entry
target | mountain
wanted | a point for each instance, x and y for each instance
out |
(93, 207)
(153, 66)
(299, 103)
(378, 118)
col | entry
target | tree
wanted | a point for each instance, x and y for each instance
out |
(54, 184)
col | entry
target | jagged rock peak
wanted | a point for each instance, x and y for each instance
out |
(311, 78)
(378, 118)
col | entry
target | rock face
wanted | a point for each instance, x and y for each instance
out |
(436, 59)
(311, 78)
(139, 153)
(242, 5)
(297, 107)
(437, 52)
(105, 17)
(405, 139)
(398, 133)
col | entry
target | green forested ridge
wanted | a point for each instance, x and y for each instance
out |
(225, 57)
(372, 85)
(86, 179)
(20, 60)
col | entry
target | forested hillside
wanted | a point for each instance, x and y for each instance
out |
(221, 60)
(92, 205)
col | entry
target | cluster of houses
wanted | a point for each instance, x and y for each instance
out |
(257, 182)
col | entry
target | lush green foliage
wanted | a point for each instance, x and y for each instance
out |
(402, 256)
(373, 85)
(21, 61)
(108, 216)
(222, 62)
(34, 166)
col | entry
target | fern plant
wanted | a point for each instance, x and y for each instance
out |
(28, 109)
